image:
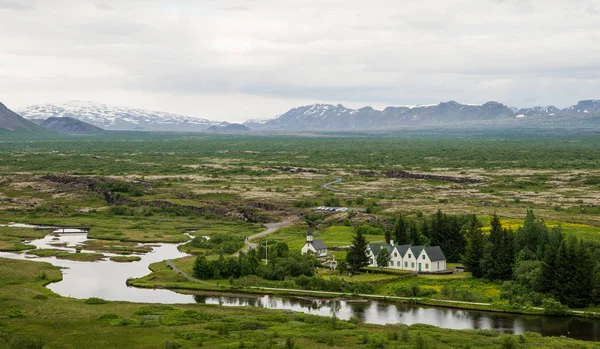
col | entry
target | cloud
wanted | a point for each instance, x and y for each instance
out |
(166, 54)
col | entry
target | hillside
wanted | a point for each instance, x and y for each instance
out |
(231, 128)
(12, 122)
(67, 125)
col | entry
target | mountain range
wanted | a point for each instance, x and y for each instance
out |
(119, 118)
(327, 117)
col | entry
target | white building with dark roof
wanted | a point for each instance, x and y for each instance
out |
(407, 257)
(317, 247)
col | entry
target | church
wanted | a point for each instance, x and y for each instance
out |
(315, 246)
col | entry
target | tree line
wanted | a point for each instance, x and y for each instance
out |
(281, 264)
(535, 263)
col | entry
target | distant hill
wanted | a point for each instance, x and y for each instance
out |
(327, 117)
(67, 125)
(231, 128)
(12, 122)
(119, 118)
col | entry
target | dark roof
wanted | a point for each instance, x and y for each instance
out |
(376, 247)
(319, 245)
(417, 250)
(402, 249)
(435, 253)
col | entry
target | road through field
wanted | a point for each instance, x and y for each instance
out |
(328, 185)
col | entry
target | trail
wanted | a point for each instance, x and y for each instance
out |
(328, 185)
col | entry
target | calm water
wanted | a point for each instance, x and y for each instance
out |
(107, 280)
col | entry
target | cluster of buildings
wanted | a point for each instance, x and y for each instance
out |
(405, 257)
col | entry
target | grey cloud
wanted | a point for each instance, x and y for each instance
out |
(533, 52)
(15, 5)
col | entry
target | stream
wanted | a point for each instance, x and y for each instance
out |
(107, 280)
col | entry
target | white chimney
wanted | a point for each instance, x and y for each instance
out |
(392, 242)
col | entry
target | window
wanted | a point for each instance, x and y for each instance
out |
(391, 263)
(406, 264)
(395, 254)
(426, 266)
(423, 256)
(409, 255)
(438, 265)
(412, 264)
(398, 263)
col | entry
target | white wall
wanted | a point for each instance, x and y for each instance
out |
(425, 262)
(308, 247)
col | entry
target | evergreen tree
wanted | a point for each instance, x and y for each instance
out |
(499, 253)
(357, 257)
(475, 247)
(415, 235)
(383, 257)
(533, 235)
(401, 231)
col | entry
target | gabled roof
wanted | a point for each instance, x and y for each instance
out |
(319, 245)
(402, 249)
(417, 250)
(435, 253)
(375, 247)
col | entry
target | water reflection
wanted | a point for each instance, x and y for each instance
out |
(106, 279)
(384, 313)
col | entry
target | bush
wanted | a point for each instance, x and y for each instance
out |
(26, 343)
(172, 345)
(95, 300)
(554, 308)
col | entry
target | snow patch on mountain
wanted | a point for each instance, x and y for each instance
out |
(119, 118)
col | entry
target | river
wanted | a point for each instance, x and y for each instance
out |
(106, 279)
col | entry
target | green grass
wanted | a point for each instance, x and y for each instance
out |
(295, 236)
(26, 316)
(81, 257)
(125, 259)
(581, 231)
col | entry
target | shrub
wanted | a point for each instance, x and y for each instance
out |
(40, 296)
(554, 308)
(172, 345)
(95, 300)
(26, 343)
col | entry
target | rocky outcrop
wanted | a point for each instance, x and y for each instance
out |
(404, 174)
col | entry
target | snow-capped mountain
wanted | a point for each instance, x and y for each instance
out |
(590, 106)
(327, 117)
(119, 118)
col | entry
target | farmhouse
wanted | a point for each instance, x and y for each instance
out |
(407, 257)
(315, 246)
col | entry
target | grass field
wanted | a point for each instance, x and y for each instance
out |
(30, 314)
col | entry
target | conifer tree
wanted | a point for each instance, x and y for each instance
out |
(401, 231)
(474, 249)
(357, 257)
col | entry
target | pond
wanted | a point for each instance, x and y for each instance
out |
(106, 279)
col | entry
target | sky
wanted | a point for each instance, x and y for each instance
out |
(241, 59)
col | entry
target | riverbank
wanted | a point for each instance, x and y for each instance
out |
(31, 313)
(163, 276)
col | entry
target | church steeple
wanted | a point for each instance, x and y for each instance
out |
(309, 235)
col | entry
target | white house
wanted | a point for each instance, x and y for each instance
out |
(315, 246)
(407, 257)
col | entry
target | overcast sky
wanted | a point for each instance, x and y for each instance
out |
(239, 59)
